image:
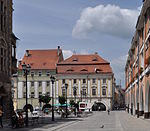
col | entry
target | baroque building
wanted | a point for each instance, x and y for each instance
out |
(137, 69)
(89, 78)
(7, 56)
(43, 65)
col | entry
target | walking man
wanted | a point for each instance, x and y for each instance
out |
(1, 114)
(108, 111)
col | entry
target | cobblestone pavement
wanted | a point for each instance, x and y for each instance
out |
(116, 121)
(98, 121)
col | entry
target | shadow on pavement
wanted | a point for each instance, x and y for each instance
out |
(45, 123)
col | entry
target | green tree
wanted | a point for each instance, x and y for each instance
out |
(44, 98)
(62, 100)
(72, 103)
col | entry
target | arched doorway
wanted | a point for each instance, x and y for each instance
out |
(147, 101)
(98, 106)
(141, 110)
(137, 101)
(29, 107)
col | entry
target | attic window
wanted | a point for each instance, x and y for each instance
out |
(44, 63)
(94, 59)
(97, 70)
(31, 64)
(75, 59)
(84, 70)
(69, 70)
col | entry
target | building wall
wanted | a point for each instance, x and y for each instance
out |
(98, 85)
(106, 100)
(21, 87)
(7, 39)
(138, 67)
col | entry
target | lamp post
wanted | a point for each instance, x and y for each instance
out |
(26, 69)
(81, 95)
(75, 93)
(52, 78)
(66, 86)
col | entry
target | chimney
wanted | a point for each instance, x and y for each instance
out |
(27, 53)
(96, 53)
(58, 50)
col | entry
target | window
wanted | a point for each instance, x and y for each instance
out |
(74, 91)
(2, 63)
(104, 91)
(40, 93)
(40, 73)
(84, 81)
(24, 94)
(32, 95)
(84, 92)
(63, 92)
(32, 83)
(75, 81)
(47, 73)
(48, 93)
(104, 81)
(2, 15)
(2, 51)
(48, 83)
(93, 80)
(93, 91)
(63, 81)
(40, 83)
(32, 73)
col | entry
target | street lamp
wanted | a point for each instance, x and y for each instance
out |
(26, 69)
(66, 86)
(52, 78)
(75, 93)
(81, 94)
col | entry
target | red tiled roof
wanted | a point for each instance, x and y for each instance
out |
(42, 59)
(84, 64)
(84, 59)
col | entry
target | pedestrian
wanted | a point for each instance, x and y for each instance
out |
(108, 111)
(14, 120)
(99, 108)
(1, 114)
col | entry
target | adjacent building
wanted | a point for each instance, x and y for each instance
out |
(7, 56)
(137, 67)
(43, 65)
(119, 97)
(89, 78)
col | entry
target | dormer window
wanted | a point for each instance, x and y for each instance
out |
(75, 59)
(69, 70)
(84, 69)
(97, 70)
(94, 59)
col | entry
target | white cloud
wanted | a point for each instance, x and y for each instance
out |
(118, 66)
(110, 20)
(67, 53)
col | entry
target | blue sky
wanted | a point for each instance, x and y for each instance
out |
(83, 26)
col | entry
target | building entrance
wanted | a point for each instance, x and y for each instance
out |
(98, 107)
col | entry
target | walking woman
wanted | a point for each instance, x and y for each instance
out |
(1, 114)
